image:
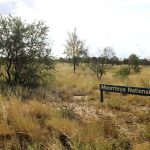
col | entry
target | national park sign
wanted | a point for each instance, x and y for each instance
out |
(124, 90)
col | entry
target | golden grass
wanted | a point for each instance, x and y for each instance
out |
(5, 131)
(143, 146)
(85, 82)
(81, 82)
(21, 121)
(122, 121)
(63, 125)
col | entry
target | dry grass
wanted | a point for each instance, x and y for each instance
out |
(78, 120)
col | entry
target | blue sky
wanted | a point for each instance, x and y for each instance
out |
(122, 24)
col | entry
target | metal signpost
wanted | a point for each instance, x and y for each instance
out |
(123, 89)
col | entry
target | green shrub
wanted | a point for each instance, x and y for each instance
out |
(147, 132)
(121, 144)
(123, 72)
(68, 114)
(134, 63)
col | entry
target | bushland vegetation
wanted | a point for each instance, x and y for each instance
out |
(46, 106)
(24, 51)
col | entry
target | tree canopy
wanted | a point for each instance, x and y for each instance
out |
(24, 50)
(75, 48)
(102, 65)
(134, 63)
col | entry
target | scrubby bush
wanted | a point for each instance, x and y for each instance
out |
(134, 63)
(123, 72)
(102, 66)
(25, 52)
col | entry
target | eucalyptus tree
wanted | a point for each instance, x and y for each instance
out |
(75, 48)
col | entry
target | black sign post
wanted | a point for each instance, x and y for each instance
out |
(124, 90)
(102, 97)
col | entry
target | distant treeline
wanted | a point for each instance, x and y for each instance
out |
(114, 61)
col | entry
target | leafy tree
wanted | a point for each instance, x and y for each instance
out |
(101, 66)
(25, 51)
(115, 60)
(125, 61)
(107, 54)
(134, 63)
(145, 61)
(75, 48)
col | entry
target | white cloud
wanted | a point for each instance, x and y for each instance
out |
(122, 24)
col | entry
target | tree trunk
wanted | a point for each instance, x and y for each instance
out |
(74, 68)
(98, 76)
(8, 68)
(8, 72)
(74, 65)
